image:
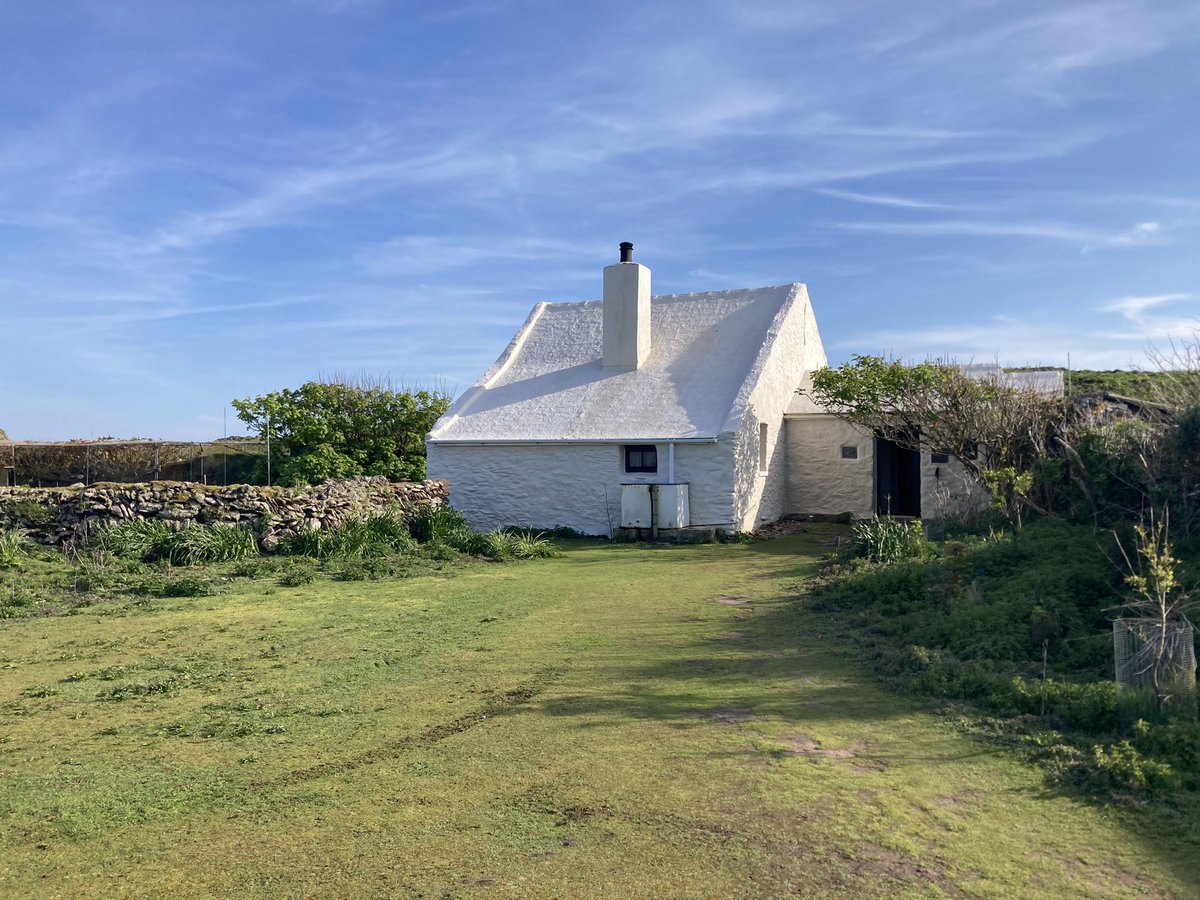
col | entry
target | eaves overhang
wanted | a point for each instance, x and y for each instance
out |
(559, 442)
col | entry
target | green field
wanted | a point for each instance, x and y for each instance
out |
(621, 721)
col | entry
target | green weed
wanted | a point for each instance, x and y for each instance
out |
(883, 539)
(13, 543)
(153, 539)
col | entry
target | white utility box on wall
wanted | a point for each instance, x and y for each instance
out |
(673, 506)
(654, 506)
(635, 506)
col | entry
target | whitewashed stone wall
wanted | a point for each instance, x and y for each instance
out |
(820, 481)
(795, 350)
(573, 485)
(948, 490)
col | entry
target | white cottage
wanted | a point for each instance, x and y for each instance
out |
(685, 392)
(694, 395)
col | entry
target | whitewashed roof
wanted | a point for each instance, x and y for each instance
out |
(550, 384)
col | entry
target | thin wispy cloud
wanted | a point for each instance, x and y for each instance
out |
(880, 199)
(1139, 235)
(1133, 307)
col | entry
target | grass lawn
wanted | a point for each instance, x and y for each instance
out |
(621, 721)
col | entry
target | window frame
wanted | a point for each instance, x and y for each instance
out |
(642, 450)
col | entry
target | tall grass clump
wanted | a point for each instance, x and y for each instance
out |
(12, 546)
(886, 540)
(150, 540)
(212, 544)
(528, 545)
(145, 539)
(448, 527)
(503, 545)
(498, 545)
(384, 534)
(437, 524)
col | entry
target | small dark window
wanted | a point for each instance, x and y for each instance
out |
(939, 459)
(849, 452)
(641, 458)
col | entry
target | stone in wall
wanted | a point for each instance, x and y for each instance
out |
(56, 515)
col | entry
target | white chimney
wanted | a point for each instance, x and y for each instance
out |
(626, 312)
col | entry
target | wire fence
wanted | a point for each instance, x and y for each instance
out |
(1155, 668)
(234, 461)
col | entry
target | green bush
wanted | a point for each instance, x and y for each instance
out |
(189, 586)
(1178, 742)
(297, 577)
(1090, 706)
(361, 569)
(1121, 767)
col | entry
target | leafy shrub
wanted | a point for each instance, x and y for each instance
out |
(297, 577)
(339, 428)
(883, 539)
(565, 533)
(1121, 767)
(16, 601)
(258, 567)
(1177, 742)
(189, 586)
(361, 569)
(1091, 706)
(439, 551)
(152, 584)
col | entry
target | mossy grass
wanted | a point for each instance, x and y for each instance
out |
(620, 721)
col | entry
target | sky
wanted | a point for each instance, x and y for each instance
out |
(204, 201)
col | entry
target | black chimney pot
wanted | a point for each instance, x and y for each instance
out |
(626, 251)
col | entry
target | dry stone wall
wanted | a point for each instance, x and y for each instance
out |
(55, 515)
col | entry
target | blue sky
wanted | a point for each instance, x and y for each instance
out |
(204, 201)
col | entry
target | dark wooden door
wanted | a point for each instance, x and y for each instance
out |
(897, 479)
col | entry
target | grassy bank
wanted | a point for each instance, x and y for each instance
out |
(1019, 631)
(621, 721)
